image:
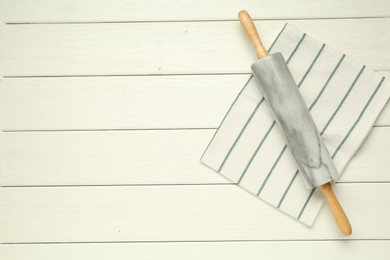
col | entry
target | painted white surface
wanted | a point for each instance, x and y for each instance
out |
(304, 250)
(173, 47)
(136, 102)
(141, 190)
(177, 213)
(141, 157)
(173, 10)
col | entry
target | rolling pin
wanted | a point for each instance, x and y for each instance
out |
(293, 117)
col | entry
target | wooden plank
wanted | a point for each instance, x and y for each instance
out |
(177, 213)
(1, 14)
(171, 48)
(138, 102)
(113, 157)
(371, 158)
(141, 157)
(117, 102)
(384, 117)
(304, 250)
(154, 10)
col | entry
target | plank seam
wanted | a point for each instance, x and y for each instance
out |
(165, 184)
(194, 241)
(132, 75)
(203, 20)
(143, 75)
(122, 129)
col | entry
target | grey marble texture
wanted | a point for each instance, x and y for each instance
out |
(293, 117)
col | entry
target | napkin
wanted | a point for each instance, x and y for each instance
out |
(344, 99)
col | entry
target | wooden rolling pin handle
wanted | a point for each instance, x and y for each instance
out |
(337, 211)
(250, 29)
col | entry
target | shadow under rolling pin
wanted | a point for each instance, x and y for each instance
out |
(293, 117)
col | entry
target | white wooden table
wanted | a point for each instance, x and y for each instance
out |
(106, 107)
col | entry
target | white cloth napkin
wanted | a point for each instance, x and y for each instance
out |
(344, 99)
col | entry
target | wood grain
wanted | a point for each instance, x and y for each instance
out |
(336, 209)
(138, 38)
(117, 102)
(154, 10)
(304, 250)
(139, 102)
(141, 157)
(177, 213)
(250, 29)
(171, 48)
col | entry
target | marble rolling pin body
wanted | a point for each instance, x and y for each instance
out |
(293, 117)
(290, 112)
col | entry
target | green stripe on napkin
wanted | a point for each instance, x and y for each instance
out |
(344, 99)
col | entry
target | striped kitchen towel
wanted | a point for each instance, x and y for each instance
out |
(344, 99)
